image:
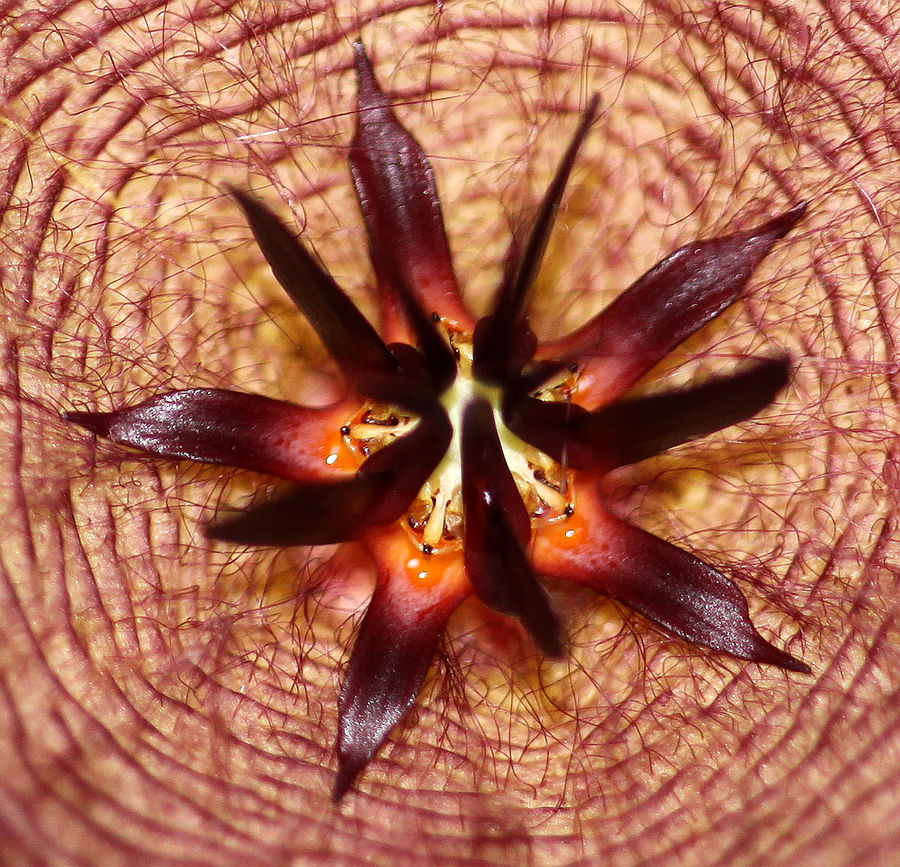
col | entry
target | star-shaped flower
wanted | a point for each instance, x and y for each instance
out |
(465, 456)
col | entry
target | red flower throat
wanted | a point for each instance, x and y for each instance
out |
(465, 456)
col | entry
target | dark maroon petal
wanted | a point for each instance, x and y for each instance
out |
(402, 212)
(321, 514)
(440, 363)
(687, 597)
(674, 589)
(399, 200)
(503, 340)
(629, 431)
(227, 427)
(314, 514)
(347, 334)
(665, 306)
(497, 530)
(546, 425)
(391, 656)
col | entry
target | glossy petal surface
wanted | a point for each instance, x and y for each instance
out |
(663, 308)
(399, 200)
(497, 531)
(685, 596)
(393, 650)
(629, 431)
(322, 514)
(227, 427)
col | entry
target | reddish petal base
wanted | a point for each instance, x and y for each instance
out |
(413, 599)
(678, 592)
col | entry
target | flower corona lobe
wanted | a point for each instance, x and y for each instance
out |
(477, 452)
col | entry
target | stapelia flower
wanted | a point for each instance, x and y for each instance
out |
(478, 451)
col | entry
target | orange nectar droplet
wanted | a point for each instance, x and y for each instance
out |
(429, 570)
(337, 454)
(440, 572)
(565, 533)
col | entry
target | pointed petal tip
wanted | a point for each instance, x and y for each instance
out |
(349, 768)
(782, 224)
(768, 654)
(769, 377)
(219, 530)
(370, 91)
(242, 197)
(797, 665)
(504, 341)
(96, 422)
(775, 369)
(553, 647)
(544, 626)
(252, 206)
